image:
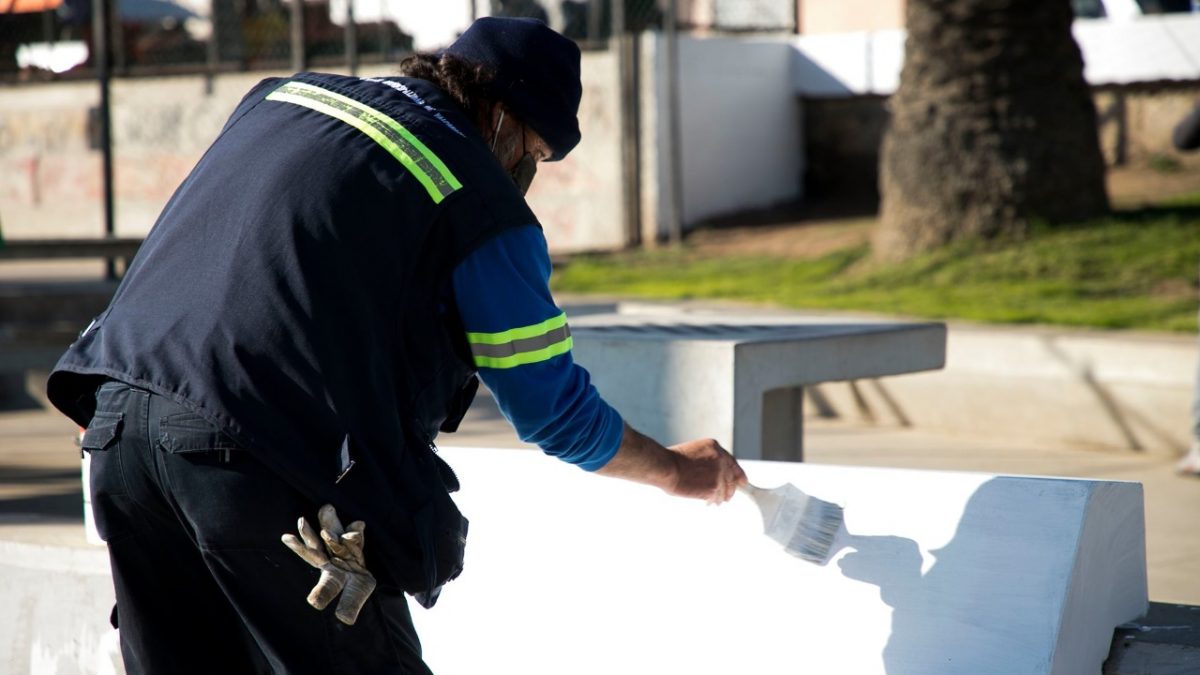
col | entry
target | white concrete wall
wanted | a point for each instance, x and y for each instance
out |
(1145, 49)
(939, 574)
(741, 132)
(579, 200)
(822, 16)
(936, 573)
(848, 64)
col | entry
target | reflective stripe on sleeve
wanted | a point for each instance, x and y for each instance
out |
(420, 161)
(521, 346)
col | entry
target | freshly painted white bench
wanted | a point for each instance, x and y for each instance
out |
(568, 572)
(940, 574)
(739, 379)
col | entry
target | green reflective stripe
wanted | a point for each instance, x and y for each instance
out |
(518, 333)
(530, 344)
(524, 358)
(420, 161)
(523, 345)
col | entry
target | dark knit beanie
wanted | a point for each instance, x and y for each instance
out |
(537, 75)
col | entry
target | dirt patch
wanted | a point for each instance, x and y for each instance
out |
(803, 239)
(794, 234)
(1130, 187)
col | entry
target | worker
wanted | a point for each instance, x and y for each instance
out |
(1186, 137)
(311, 308)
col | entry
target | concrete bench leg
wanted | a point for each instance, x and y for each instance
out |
(783, 424)
(15, 391)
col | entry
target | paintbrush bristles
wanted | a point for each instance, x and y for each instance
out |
(805, 526)
(814, 535)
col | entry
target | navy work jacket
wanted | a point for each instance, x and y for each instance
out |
(294, 293)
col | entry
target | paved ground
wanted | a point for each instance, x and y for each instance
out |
(40, 496)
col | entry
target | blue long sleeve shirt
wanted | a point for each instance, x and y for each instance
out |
(521, 345)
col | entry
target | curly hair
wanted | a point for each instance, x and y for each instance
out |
(467, 83)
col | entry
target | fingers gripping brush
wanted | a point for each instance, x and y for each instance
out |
(804, 525)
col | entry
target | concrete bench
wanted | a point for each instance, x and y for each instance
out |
(39, 317)
(739, 380)
(939, 573)
(48, 249)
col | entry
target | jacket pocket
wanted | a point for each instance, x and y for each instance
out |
(442, 531)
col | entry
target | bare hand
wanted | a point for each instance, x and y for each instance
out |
(699, 469)
(705, 471)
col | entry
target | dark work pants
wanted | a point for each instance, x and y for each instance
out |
(203, 582)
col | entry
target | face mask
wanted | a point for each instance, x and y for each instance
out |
(522, 174)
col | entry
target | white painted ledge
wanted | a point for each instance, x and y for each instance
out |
(942, 573)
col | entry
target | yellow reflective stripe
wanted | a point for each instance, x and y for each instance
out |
(518, 333)
(525, 358)
(420, 161)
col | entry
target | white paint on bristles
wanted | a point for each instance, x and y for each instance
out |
(940, 573)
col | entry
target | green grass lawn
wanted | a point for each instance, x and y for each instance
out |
(1135, 269)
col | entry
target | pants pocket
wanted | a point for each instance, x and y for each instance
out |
(101, 440)
(186, 432)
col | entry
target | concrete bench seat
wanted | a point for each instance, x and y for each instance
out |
(939, 573)
(739, 379)
(41, 315)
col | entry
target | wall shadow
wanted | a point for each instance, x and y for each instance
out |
(970, 611)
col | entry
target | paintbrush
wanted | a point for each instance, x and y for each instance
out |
(804, 525)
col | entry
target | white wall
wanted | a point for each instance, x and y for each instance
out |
(579, 200)
(938, 573)
(1149, 48)
(742, 142)
(1145, 49)
(847, 64)
(848, 15)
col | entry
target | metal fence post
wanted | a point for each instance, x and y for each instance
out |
(101, 14)
(385, 32)
(674, 197)
(351, 39)
(48, 32)
(116, 39)
(213, 48)
(630, 124)
(299, 57)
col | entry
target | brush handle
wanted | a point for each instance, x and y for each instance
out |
(754, 492)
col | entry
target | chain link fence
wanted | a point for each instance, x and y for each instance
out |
(51, 39)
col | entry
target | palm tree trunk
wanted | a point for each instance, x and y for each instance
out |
(992, 126)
